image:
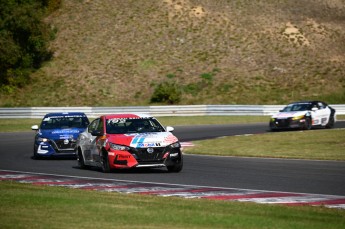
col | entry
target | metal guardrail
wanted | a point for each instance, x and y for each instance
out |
(184, 110)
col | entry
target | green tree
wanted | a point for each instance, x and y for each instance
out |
(24, 39)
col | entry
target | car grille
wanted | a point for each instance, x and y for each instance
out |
(143, 156)
(283, 122)
(59, 145)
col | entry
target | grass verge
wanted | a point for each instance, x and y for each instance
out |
(17, 124)
(29, 206)
(315, 144)
(11, 125)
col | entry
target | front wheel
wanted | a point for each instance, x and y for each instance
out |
(81, 161)
(330, 123)
(105, 163)
(307, 124)
(36, 156)
(176, 168)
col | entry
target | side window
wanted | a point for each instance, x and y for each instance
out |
(93, 126)
(100, 125)
(321, 105)
(315, 105)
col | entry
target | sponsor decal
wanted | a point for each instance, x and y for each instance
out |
(145, 145)
(66, 136)
(66, 132)
(123, 120)
(286, 114)
(116, 120)
(65, 116)
(153, 140)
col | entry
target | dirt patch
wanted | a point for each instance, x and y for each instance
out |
(294, 35)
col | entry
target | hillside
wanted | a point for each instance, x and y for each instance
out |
(115, 52)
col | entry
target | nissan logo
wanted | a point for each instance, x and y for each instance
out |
(150, 150)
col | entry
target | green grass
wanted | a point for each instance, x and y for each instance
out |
(16, 124)
(315, 144)
(11, 125)
(29, 206)
(211, 120)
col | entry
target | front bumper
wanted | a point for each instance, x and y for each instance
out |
(54, 148)
(287, 123)
(143, 157)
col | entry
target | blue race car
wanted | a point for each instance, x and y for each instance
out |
(58, 133)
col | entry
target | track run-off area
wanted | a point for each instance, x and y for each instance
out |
(185, 191)
(259, 180)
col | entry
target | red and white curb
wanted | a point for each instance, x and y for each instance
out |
(186, 144)
(185, 191)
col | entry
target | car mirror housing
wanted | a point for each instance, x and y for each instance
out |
(314, 109)
(170, 129)
(97, 133)
(34, 127)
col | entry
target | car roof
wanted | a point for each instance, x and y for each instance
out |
(306, 101)
(64, 114)
(127, 115)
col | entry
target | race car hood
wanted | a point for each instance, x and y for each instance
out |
(289, 114)
(55, 134)
(143, 140)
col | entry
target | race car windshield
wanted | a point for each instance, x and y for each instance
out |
(63, 122)
(297, 107)
(137, 125)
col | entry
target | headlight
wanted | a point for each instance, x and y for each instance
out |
(42, 139)
(298, 117)
(118, 147)
(175, 145)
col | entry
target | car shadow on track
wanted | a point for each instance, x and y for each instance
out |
(62, 158)
(127, 171)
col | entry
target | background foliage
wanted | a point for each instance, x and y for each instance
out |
(24, 38)
(117, 53)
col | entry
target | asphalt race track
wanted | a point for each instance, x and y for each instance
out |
(278, 175)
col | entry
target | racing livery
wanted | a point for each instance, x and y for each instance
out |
(304, 115)
(57, 134)
(123, 141)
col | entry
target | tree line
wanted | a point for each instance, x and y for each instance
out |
(24, 38)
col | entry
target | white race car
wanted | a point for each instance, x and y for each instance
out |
(304, 115)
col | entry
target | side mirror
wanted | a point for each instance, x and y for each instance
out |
(170, 129)
(34, 127)
(314, 109)
(97, 133)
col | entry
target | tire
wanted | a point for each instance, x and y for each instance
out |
(271, 127)
(307, 125)
(36, 156)
(330, 123)
(80, 159)
(176, 168)
(105, 163)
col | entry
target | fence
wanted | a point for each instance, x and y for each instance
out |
(185, 110)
